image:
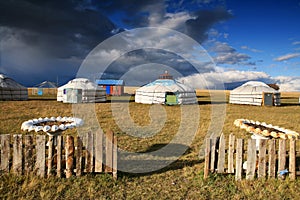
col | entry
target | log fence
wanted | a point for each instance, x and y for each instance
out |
(252, 159)
(63, 156)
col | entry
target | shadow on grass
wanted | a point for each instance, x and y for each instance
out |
(172, 151)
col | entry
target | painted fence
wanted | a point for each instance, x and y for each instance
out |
(264, 158)
(63, 156)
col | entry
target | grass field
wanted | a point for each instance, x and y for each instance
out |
(182, 179)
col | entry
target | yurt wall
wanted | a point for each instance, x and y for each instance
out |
(11, 90)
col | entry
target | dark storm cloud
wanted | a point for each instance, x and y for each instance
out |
(58, 28)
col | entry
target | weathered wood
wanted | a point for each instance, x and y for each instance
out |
(17, 154)
(251, 159)
(79, 157)
(99, 151)
(272, 158)
(115, 157)
(5, 152)
(213, 154)
(281, 155)
(221, 154)
(40, 155)
(207, 157)
(262, 158)
(28, 154)
(59, 148)
(292, 160)
(239, 159)
(109, 151)
(231, 153)
(69, 156)
(50, 156)
(89, 153)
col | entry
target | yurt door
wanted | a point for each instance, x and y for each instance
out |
(171, 98)
(268, 99)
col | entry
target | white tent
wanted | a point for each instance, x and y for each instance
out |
(165, 91)
(11, 90)
(81, 89)
(254, 93)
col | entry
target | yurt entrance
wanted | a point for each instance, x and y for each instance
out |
(267, 99)
(171, 98)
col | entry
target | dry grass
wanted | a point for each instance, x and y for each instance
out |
(182, 179)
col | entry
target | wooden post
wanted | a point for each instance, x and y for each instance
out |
(89, 152)
(239, 159)
(28, 154)
(292, 160)
(231, 153)
(213, 154)
(5, 152)
(281, 155)
(272, 158)
(40, 155)
(17, 154)
(50, 156)
(109, 151)
(79, 157)
(59, 148)
(207, 158)
(221, 154)
(251, 159)
(99, 151)
(69, 156)
(115, 158)
(262, 159)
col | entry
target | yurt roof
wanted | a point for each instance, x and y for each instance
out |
(253, 87)
(6, 82)
(165, 85)
(46, 84)
(81, 83)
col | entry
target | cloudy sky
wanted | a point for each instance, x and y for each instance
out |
(246, 40)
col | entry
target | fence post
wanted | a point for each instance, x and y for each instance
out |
(89, 152)
(109, 151)
(251, 159)
(281, 155)
(207, 157)
(99, 151)
(239, 159)
(50, 156)
(292, 160)
(213, 144)
(272, 158)
(115, 157)
(79, 157)
(40, 155)
(5, 152)
(28, 154)
(69, 156)
(59, 155)
(17, 154)
(262, 159)
(231, 153)
(221, 154)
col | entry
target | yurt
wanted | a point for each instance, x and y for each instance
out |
(255, 93)
(165, 90)
(11, 90)
(81, 90)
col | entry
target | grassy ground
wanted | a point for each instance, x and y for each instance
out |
(182, 179)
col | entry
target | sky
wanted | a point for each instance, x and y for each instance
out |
(244, 40)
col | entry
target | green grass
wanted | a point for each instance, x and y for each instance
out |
(183, 179)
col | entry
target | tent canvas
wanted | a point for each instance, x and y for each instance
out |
(11, 90)
(165, 91)
(90, 92)
(253, 93)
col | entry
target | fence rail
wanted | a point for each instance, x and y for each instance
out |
(261, 158)
(59, 155)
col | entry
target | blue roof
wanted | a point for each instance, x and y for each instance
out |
(163, 82)
(110, 82)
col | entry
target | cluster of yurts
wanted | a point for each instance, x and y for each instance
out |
(164, 90)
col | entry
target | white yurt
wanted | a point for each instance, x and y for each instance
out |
(81, 90)
(165, 90)
(11, 90)
(255, 93)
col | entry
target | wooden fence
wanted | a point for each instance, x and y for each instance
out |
(62, 156)
(266, 159)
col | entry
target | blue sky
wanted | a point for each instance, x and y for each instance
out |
(247, 40)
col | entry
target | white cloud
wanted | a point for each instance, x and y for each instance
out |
(287, 57)
(296, 43)
(250, 49)
(287, 83)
